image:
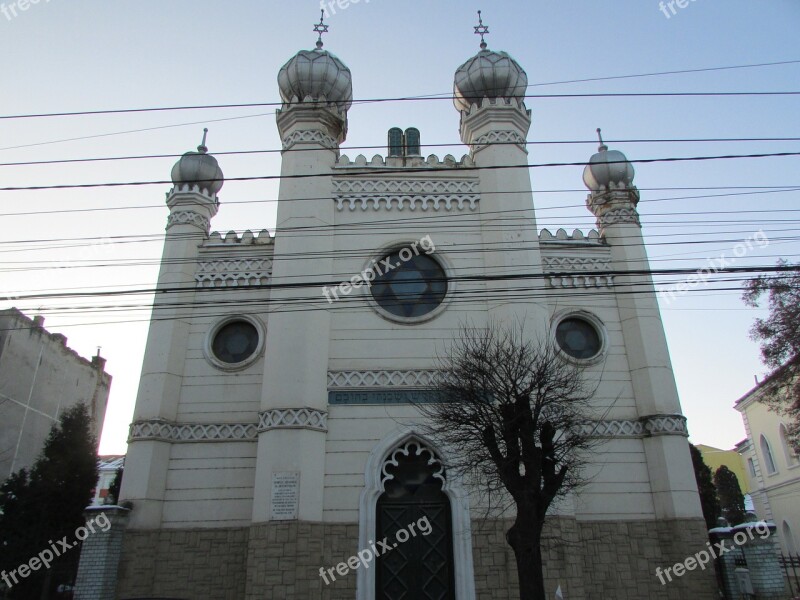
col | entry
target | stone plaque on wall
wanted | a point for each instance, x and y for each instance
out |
(285, 496)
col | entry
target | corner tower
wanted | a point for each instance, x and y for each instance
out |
(317, 92)
(193, 202)
(613, 200)
(489, 94)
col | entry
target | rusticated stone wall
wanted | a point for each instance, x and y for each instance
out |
(281, 561)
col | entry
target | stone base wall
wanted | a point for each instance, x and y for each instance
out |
(284, 559)
(598, 560)
(184, 563)
(281, 560)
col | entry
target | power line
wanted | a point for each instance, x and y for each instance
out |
(472, 278)
(383, 147)
(407, 170)
(765, 190)
(439, 96)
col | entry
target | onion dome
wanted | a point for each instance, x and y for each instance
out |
(608, 169)
(199, 168)
(316, 73)
(488, 74)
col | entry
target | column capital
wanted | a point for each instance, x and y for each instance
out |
(614, 206)
(313, 123)
(191, 206)
(495, 120)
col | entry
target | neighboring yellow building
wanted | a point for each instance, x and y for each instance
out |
(773, 469)
(716, 457)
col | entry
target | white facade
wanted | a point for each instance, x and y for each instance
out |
(773, 469)
(325, 391)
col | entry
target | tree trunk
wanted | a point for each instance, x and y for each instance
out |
(525, 538)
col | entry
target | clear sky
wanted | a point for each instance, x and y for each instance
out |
(78, 55)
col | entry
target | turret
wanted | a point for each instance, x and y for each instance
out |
(192, 203)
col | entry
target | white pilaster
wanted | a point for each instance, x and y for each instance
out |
(188, 226)
(296, 360)
(669, 463)
(496, 131)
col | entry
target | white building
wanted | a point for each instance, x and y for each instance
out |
(269, 420)
(773, 468)
(40, 376)
(107, 467)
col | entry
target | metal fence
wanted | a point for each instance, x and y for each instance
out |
(791, 570)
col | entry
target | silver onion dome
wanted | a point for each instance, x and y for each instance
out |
(199, 168)
(488, 74)
(316, 73)
(608, 168)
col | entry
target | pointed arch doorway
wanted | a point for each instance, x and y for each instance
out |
(413, 516)
(405, 483)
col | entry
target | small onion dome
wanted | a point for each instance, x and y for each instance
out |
(316, 73)
(488, 74)
(608, 168)
(199, 168)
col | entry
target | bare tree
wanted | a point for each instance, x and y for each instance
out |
(514, 414)
(779, 335)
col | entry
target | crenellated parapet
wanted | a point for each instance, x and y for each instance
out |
(414, 162)
(593, 237)
(248, 238)
(575, 260)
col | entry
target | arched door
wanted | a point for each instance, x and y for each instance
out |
(414, 519)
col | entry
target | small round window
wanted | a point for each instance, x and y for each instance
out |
(409, 284)
(235, 342)
(578, 338)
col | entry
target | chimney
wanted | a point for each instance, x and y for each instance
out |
(38, 322)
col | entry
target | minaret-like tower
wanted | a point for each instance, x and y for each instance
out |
(316, 90)
(192, 203)
(613, 199)
(489, 93)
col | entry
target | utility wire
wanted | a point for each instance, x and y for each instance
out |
(407, 170)
(347, 149)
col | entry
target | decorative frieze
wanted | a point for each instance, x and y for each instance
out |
(499, 137)
(379, 379)
(188, 217)
(309, 418)
(652, 425)
(312, 136)
(161, 430)
(619, 215)
(576, 271)
(665, 425)
(224, 273)
(390, 194)
(293, 418)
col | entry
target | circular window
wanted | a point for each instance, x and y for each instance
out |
(235, 342)
(578, 338)
(408, 284)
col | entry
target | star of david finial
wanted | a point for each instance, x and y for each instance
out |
(321, 28)
(481, 30)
